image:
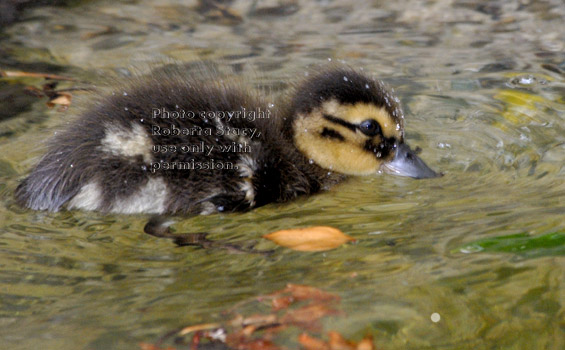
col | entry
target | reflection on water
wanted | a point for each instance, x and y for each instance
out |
(482, 85)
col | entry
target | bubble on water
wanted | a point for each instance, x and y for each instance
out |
(473, 248)
(526, 80)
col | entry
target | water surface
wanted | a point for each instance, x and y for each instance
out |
(482, 85)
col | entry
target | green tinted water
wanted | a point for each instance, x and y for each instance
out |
(483, 88)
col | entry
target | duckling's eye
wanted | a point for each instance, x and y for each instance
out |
(370, 127)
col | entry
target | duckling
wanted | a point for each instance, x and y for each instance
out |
(170, 144)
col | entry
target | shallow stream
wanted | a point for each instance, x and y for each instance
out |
(482, 84)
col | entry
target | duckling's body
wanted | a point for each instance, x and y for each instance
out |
(174, 145)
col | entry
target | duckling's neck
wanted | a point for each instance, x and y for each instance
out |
(288, 174)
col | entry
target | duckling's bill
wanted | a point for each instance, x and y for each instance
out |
(407, 163)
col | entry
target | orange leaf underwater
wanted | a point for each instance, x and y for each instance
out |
(310, 239)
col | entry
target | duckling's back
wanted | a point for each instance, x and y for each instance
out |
(171, 144)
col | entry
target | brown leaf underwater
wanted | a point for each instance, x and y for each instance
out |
(296, 306)
(310, 239)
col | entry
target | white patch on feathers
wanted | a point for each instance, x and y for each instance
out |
(130, 143)
(247, 167)
(150, 198)
(88, 198)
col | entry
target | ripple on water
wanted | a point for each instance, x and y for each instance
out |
(487, 113)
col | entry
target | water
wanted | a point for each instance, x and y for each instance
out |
(482, 85)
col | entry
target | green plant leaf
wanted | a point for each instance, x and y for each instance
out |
(551, 244)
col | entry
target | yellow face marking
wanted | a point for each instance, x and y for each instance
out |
(343, 157)
(347, 155)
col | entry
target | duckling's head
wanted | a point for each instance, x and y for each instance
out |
(347, 122)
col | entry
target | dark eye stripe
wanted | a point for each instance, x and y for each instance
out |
(333, 134)
(335, 120)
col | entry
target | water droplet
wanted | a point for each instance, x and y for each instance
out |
(141, 120)
(311, 161)
(435, 317)
(271, 105)
(329, 59)
(366, 86)
(526, 80)
(71, 166)
(125, 93)
(473, 248)
(126, 109)
(345, 78)
(329, 173)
